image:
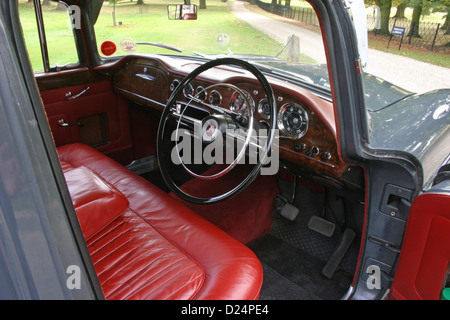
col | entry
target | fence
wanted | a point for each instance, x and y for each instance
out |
(427, 35)
(307, 15)
(424, 34)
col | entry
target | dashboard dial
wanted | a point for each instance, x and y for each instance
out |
(238, 104)
(264, 108)
(215, 98)
(293, 120)
(174, 84)
(188, 91)
(200, 93)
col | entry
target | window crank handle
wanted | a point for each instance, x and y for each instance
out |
(69, 95)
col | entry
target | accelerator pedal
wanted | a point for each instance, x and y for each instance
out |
(338, 254)
(321, 226)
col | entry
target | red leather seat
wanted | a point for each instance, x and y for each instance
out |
(146, 245)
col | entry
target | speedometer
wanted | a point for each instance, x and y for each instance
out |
(292, 120)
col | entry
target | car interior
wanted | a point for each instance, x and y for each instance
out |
(154, 231)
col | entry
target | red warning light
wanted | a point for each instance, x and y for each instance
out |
(108, 48)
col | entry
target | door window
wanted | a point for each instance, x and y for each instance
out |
(50, 41)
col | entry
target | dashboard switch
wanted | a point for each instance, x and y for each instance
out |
(315, 150)
(312, 151)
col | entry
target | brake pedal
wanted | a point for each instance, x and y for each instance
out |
(321, 226)
(289, 211)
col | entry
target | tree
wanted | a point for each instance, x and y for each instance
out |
(202, 4)
(442, 6)
(140, 2)
(401, 7)
(446, 25)
(113, 2)
(385, 12)
(415, 22)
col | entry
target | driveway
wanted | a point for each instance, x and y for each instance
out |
(405, 72)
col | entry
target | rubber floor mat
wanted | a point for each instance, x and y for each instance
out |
(291, 273)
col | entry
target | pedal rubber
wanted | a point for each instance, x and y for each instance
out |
(321, 226)
(289, 211)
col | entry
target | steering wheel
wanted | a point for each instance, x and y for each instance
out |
(219, 123)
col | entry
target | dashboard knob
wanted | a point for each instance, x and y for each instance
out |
(326, 156)
(300, 147)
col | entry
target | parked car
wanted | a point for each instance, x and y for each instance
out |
(170, 151)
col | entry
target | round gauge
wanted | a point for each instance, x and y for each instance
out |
(200, 93)
(215, 98)
(174, 84)
(293, 120)
(264, 108)
(237, 103)
(188, 91)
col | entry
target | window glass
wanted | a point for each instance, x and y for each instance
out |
(58, 31)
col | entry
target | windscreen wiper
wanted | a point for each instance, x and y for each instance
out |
(165, 46)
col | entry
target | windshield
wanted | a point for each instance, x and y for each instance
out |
(283, 38)
(222, 28)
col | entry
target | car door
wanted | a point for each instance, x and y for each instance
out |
(80, 105)
(86, 111)
(424, 264)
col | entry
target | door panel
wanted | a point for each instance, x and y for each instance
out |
(98, 117)
(423, 266)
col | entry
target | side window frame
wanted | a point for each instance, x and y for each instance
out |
(78, 41)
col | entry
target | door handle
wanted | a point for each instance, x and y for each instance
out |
(63, 123)
(69, 95)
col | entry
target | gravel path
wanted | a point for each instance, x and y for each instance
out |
(405, 72)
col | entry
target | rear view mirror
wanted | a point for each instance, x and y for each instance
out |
(182, 12)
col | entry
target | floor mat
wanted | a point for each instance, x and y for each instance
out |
(298, 234)
(291, 273)
(293, 255)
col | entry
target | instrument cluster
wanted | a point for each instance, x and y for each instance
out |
(292, 118)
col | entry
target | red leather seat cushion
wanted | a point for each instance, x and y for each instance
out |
(96, 202)
(157, 248)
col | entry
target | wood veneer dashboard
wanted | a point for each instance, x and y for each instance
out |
(148, 81)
